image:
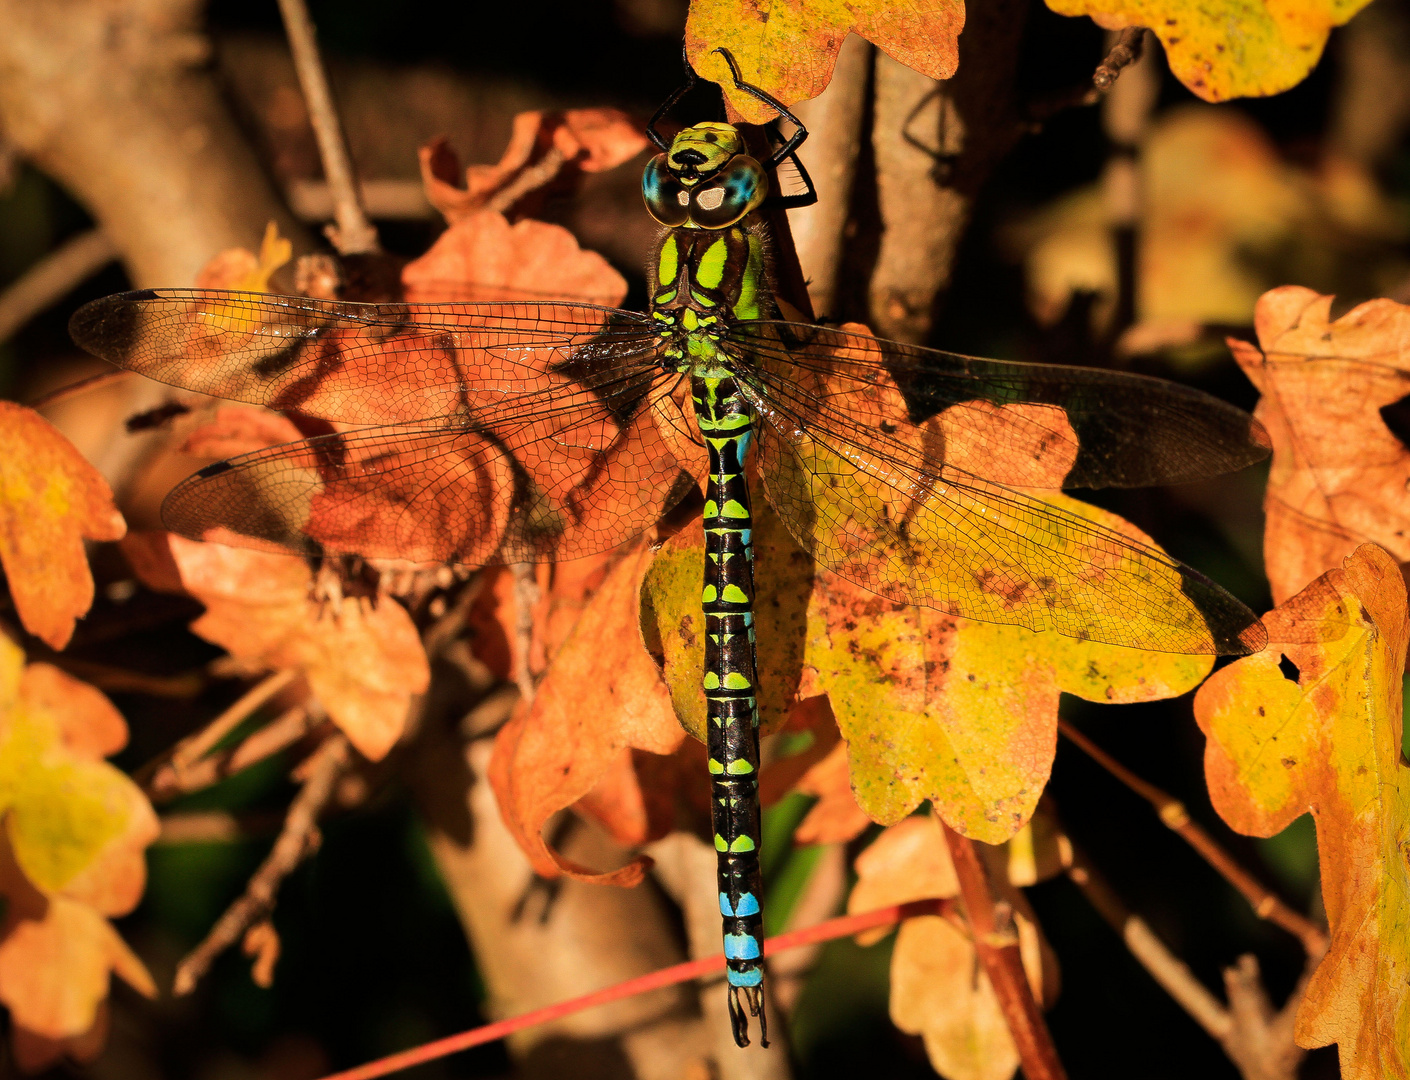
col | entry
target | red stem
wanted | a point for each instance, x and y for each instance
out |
(825, 931)
(997, 949)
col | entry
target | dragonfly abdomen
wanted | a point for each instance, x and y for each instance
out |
(732, 713)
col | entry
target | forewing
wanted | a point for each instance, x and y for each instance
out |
(910, 511)
(363, 364)
(574, 477)
(1130, 430)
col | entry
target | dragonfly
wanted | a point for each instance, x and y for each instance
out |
(514, 431)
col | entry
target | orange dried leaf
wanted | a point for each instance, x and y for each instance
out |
(1339, 475)
(483, 258)
(56, 956)
(1233, 48)
(364, 661)
(788, 50)
(835, 818)
(242, 270)
(1313, 723)
(602, 695)
(51, 500)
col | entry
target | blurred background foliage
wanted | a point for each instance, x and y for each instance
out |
(1310, 187)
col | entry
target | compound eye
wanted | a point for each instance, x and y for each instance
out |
(666, 197)
(736, 190)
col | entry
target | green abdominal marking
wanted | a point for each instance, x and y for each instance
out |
(732, 712)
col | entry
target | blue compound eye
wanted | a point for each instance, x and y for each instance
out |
(736, 190)
(666, 197)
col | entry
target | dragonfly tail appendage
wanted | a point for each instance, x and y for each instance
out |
(726, 422)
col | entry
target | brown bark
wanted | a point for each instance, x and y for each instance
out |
(113, 99)
(964, 126)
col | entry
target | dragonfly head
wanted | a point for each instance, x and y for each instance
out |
(705, 180)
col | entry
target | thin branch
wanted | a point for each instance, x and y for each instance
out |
(1124, 52)
(298, 839)
(1174, 977)
(1173, 814)
(216, 827)
(279, 734)
(531, 179)
(841, 927)
(194, 747)
(1257, 1038)
(526, 597)
(83, 386)
(996, 944)
(352, 234)
(116, 680)
(50, 279)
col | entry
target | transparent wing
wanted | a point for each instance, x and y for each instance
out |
(569, 480)
(1122, 429)
(360, 363)
(918, 510)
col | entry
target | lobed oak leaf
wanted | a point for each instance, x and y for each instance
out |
(938, 989)
(51, 499)
(1313, 723)
(56, 957)
(1339, 473)
(602, 695)
(789, 50)
(363, 662)
(1234, 48)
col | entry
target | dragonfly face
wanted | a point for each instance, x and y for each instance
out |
(709, 268)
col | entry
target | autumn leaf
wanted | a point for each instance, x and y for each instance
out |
(789, 49)
(75, 829)
(938, 989)
(1313, 723)
(1339, 474)
(364, 661)
(483, 258)
(543, 147)
(1233, 48)
(601, 697)
(51, 500)
(244, 271)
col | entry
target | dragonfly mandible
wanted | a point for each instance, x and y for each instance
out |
(508, 432)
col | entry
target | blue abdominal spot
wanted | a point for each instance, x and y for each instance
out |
(745, 978)
(748, 905)
(741, 947)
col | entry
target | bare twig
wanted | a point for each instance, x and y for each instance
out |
(279, 734)
(1257, 1038)
(352, 233)
(996, 944)
(1124, 52)
(1173, 814)
(312, 200)
(194, 747)
(534, 177)
(526, 597)
(72, 262)
(122, 681)
(298, 839)
(216, 827)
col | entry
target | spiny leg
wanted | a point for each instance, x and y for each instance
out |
(732, 709)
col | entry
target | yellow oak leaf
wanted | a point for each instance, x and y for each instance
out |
(1231, 48)
(1313, 723)
(51, 499)
(1339, 473)
(788, 48)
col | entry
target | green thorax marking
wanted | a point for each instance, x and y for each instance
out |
(704, 279)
